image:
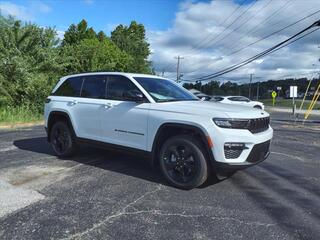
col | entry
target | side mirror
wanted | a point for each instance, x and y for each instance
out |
(134, 96)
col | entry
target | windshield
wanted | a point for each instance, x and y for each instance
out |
(162, 90)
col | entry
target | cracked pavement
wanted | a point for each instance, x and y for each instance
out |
(101, 194)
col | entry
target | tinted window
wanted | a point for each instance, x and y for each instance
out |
(239, 99)
(70, 87)
(119, 87)
(218, 99)
(94, 86)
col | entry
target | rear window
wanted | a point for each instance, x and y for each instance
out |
(94, 86)
(70, 87)
(218, 99)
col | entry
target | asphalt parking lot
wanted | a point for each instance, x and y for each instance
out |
(101, 194)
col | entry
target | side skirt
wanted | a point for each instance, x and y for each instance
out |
(114, 147)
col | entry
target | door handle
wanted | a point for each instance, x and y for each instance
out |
(73, 102)
(108, 105)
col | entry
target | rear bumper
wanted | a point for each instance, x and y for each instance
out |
(259, 153)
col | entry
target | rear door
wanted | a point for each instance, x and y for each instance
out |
(124, 122)
(88, 107)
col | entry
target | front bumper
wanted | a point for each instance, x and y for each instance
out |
(259, 153)
(255, 148)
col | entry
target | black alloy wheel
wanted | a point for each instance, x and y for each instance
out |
(62, 140)
(183, 163)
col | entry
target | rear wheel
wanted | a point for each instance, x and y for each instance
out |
(183, 163)
(62, 139)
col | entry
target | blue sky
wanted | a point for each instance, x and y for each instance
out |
(198, 30)
(101, 14)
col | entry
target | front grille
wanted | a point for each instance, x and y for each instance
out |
(258, 124)
(259, 152)
(232, 153)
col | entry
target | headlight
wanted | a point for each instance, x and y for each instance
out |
(232, 123)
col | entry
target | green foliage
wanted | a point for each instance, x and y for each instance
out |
(77, 33)
(25, 51)
(265, 88)
(9, 115)
(94, 55)
(32, 60)
(132, 40)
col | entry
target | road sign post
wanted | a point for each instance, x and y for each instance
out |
(293, 95)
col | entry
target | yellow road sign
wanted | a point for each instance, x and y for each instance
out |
(273, 95)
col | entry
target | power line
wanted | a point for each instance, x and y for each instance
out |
(264, 21)
(223, 22)
(243, 23)
(264, 53)
(204, 41)
(215, 39)
(273, 33)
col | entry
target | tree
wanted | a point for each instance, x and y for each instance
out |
(94, 55)
(77, 33)
(25, 51)
(132, 40)
(101, 36)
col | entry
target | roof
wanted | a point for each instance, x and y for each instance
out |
(113, 73)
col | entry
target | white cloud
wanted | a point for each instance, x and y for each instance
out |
(60, 34)
(196, 35)
(88, 2)
(21, 12)
(24, 12)
(41, 7)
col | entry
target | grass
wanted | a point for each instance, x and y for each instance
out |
(288, 103)
(9, 115)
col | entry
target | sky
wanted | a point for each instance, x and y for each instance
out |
(206, 34)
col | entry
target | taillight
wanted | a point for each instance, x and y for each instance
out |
(47, 100)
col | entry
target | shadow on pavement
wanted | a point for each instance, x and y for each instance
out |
(124, 163)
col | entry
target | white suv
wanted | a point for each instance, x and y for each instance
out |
(189, 139)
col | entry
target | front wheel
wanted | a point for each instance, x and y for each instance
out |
(183, 163)
(62, 140)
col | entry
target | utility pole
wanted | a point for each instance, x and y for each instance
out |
(162, 74)
(250, 85)
(258, 90)
(178, 67)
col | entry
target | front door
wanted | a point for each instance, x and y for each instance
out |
(124, 122)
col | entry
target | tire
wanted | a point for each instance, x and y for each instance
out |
(257, 107)
(183, 163)
(223, 176)
(62, 140)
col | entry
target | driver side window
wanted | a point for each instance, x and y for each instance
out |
(120, 87)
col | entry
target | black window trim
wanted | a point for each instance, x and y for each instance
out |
(107, 78)
(63, 82)
(89, 75)
(118, 75)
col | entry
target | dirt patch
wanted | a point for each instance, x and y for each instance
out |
(34, 177)
(20, 125)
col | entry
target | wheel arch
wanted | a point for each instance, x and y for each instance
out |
(55, 116)
(167, 130)
(257, 106)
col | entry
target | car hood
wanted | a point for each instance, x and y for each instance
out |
(210, 109)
